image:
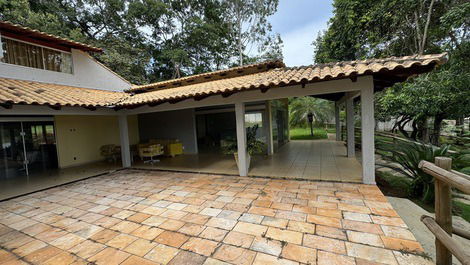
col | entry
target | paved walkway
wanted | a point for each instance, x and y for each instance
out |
(300, 159)
(145, 217)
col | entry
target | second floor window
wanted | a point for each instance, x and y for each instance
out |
(20, 53)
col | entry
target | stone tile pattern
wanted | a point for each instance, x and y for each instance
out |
(155, 217)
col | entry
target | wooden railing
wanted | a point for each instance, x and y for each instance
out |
(441, 227)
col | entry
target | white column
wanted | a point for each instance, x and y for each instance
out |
(269, 128)
(350, 126)
(367, 125)
(124, 137)
(337, 122)
(241, 139)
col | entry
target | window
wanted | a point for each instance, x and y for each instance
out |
(20, 53)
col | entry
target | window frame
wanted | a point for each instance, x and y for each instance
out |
(42, 53)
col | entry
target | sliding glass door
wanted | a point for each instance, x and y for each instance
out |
(27, 147)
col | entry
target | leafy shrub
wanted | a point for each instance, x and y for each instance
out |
(408, 155)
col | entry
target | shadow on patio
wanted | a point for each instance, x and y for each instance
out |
(312, 160)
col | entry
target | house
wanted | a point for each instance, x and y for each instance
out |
(59, 106)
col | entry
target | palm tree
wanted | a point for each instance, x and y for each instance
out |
(299, 109)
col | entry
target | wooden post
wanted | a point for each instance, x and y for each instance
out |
(443, 208)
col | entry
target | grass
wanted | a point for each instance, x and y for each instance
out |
(304, 134)
(462, 209)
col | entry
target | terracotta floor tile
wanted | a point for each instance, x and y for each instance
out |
(407, 258)
(365, 238)
(104, 235)
(268, 246)
(43, 254)
(87, 249)
(191, 229)
(302, 227)
(385, 220)
(275, 222)
(251, 218)
(284, 235)
(262, 211)
(329, 212)
(296, 216)
(221, 223)
(172, 239)
(210, 211)
(324, 243)
(328, 258)
(186, 258)
(172, 225)
(135, 260)
(109, 256)
(140, 247)
(361, 217)
(213, 233)
(121, 241)
(154, 221)
(162, 254)
(200, 246)
(62, 258)
(402, 244)
(251, 229)
(196, 219)
(370, 253)
(262, 259)
(362, 227)
(67, 241)
(219, 220)
(299, 253)
(234, 255)
(324, 220)
(239, 239)
(125, 227)
(138, 217)
(397, 232)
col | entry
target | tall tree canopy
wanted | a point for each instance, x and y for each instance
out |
(363, 29)
(152, 40)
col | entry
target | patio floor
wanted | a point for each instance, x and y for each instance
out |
(150, 217)
(311, 160)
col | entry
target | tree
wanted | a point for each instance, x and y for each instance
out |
(152, 40)
(249, 22)
(376, 28)
(299, 109)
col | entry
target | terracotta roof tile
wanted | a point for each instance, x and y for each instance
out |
(14, 91)
(27, 92)
(282, 76)
(32, 33)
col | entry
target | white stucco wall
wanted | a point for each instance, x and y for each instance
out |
(87, 72)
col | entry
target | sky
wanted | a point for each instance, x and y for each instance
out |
(298, 22)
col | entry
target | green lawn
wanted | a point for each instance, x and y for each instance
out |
(304, 134)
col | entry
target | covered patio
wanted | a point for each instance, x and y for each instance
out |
(83, 123)
(306, 159)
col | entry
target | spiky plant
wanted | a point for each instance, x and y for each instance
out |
(408, 155)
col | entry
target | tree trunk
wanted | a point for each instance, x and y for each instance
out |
(437, 129)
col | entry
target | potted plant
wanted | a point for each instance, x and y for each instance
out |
(254, 146)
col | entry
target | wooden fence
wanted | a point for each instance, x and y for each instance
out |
(441, 227)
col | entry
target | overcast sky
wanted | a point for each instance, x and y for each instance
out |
(298, 22)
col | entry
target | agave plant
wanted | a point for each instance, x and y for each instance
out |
(408, 155)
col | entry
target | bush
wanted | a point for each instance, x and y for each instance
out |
(409, 155)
